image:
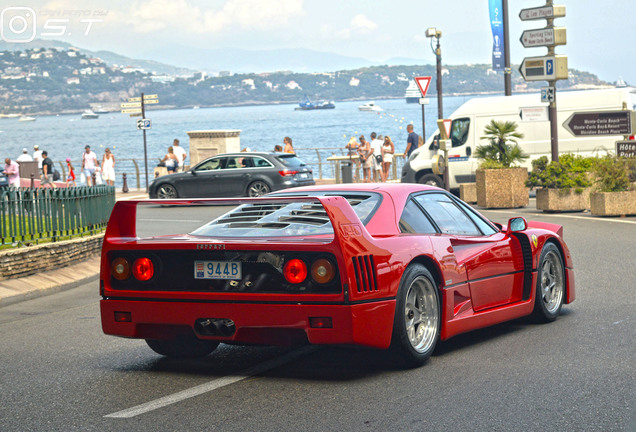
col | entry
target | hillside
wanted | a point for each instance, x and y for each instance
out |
(50, 80)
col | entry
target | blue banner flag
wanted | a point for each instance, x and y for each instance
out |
(496, 23)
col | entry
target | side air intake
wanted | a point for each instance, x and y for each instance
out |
(366, 278)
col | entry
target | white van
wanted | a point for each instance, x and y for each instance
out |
(470, 119)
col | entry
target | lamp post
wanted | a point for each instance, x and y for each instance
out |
(437, 34)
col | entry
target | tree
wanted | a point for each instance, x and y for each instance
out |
(503, 150)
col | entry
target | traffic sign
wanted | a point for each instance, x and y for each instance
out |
(422, 84)
(543, 37)
(151, 101)
(151, 96)
(548, 94)
(144, 124)
(626, 149)
(539, 113)
(546, 68)
(424, 101)
(444, 126)
(543, 12)
(146, 97)
(601, 123)
(131, 110)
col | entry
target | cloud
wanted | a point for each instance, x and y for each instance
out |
(361, 24)
(154, 15)
(358, 26)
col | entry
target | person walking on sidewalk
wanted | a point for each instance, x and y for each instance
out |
(170, 160)
(89, 164)
(289, 148)
(70, 176)
(47, 171)
(388, 149)
(108, 167)
(12, 170)
(412, 142)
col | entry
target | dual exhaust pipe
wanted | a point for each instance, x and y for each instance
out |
(215, 327)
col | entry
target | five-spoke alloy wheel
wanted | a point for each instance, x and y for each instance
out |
(550, 284)
(258, 188)
(167, 191)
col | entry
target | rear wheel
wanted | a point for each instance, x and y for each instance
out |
(550, 284)
(432, 180)
(417, 321)
(258, 188)
(167, 191)
(185, 346)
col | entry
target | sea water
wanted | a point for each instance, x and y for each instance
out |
(262, 127)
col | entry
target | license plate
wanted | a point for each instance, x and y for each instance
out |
(303, 175)
(217, 270)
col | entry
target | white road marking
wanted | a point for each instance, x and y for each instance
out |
(169, 220)
(212, 385)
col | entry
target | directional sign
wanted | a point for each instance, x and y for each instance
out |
(534, 113)
(543, 12)
(422, 84)
(543, 37)
(547, 68)
(131, 110)
(131, 105)
(146, 97)
(151, 101)
(548, 94)
(600, 123)
(144, 124)
(626, 149)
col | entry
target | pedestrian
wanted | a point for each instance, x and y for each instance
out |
(180, 153)
(352, 151)
(412, 142)
(289, 148)
(388, 150)
(12, 170)
(25, 156)
(278, 148)
(70, 176)
(365, 158)
(108, 167)
(376, 151)
(89, 165)
(37, 156)
(47, 171)
(170, 160)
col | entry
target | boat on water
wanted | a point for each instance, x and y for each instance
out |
(101, 110)
(308, 105)
(89, 115)
(26, 119)
(370, 106)
(412, 93)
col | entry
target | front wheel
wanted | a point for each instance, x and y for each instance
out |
(432, 180)
(417, 321)
(550, 284)
(167, 191)
(258, 188)
(186, 346)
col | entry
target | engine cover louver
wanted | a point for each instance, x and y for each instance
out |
(366, 277)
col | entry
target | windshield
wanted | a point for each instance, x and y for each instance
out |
(286, 219)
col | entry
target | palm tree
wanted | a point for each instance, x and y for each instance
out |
(499, 153)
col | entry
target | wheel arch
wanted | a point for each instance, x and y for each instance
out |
(432, 266)
(262, 179)
(421, 173)
(569, 284)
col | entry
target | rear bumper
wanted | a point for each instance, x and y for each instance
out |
(368, 324)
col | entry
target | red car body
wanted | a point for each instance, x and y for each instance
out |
(481, 280)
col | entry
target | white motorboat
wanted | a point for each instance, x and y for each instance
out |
(89, 115)
(26, 119)
(370, 106)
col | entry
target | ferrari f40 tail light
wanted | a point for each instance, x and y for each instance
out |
(295, 271)
(143, 269)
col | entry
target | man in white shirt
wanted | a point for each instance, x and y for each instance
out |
(37, 156)
(25, 156)
(376, 147)
(89, 163)
(180, 153)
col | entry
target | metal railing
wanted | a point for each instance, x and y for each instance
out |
(29, 215)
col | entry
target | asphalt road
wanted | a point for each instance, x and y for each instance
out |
(59, 372)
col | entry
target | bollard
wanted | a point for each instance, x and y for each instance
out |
(32, 180)
(124, 189)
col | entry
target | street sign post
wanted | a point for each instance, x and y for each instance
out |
(601, 123)
(543, 37)
(548, 94)
(542, 12)
(546, 68)
(422, 84)
(144, 123)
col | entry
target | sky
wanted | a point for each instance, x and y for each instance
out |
(599, 33)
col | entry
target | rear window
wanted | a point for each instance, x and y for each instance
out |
(285, 219)
(290, 160)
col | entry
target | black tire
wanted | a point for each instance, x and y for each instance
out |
(550, 289)
(167, 191)
(418, 316)
(185, 346)
(258, 188)
(432, 180)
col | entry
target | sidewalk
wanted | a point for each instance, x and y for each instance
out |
(29, 287)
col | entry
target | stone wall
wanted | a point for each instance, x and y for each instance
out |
(25, 261)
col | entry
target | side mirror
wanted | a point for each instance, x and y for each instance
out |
(517, 224)
(193, 172)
